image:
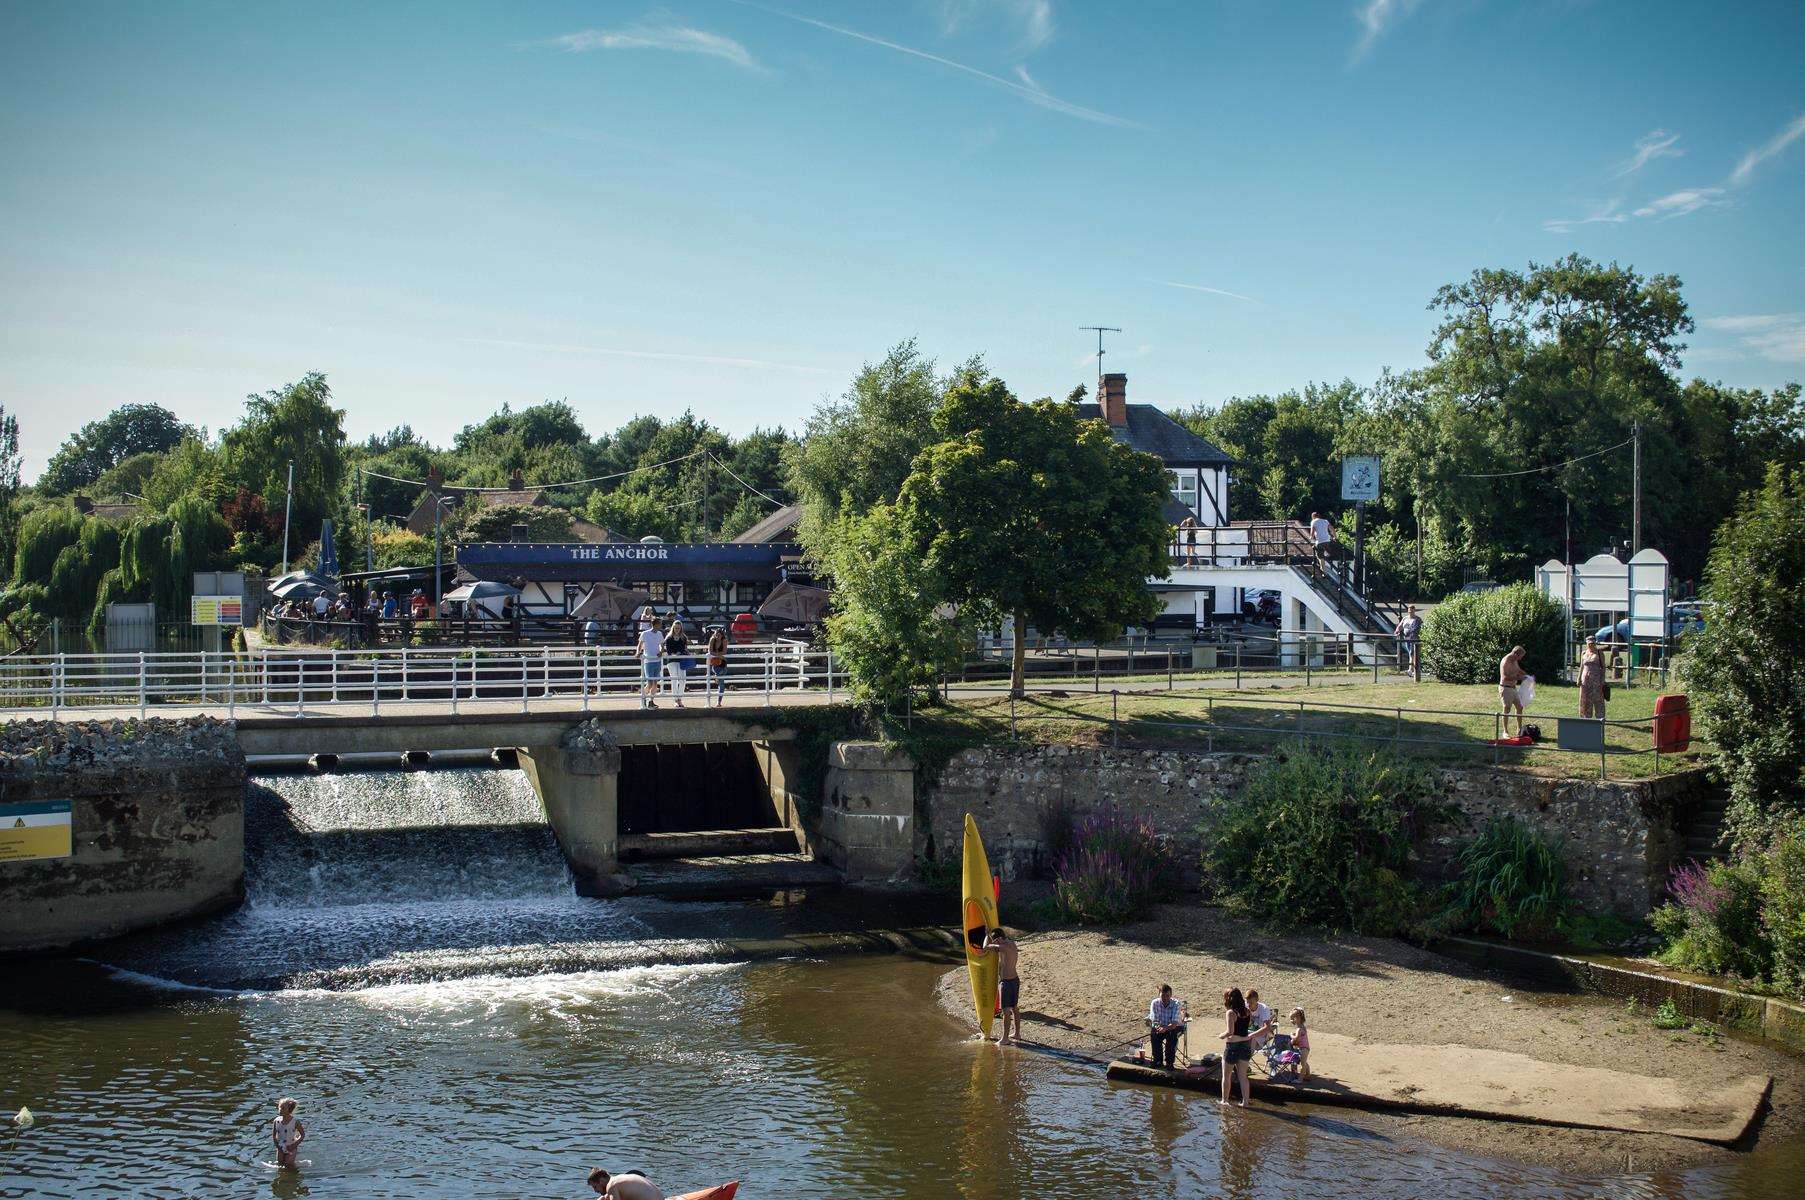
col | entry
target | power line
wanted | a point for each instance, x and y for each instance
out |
(1540, 470)
(565, 483)
(747, 486)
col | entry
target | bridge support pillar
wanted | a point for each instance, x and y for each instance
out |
(580, 789)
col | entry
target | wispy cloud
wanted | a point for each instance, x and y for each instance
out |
(657, 35)
(1033, 95)
(1198, 287)
(1610, 212)
(715, 360)
(1779, 336)
(1032, 20)
(1375, 18)
(1686, 200)
(1650, 146)
(1774, 145)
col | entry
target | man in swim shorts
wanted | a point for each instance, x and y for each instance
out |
(628, 1185)
(1003, 946)
(1510, 678)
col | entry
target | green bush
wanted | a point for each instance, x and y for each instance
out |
(1511, 882)
(1468, 633)
(1321, 836)
(1783, 908)
(1746, 669)
(1713, 923)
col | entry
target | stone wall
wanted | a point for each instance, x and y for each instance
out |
(1618, 838)
(157, 816)
(867, 819)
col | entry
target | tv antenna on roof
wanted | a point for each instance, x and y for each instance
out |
(1100, 330)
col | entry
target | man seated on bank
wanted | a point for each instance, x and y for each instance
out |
(628, 1185)
(1166, 1018)
(1003, 946)
(1260, 1017)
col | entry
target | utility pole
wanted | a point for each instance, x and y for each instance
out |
(288, 512)
(1636, 488)
(1099, 330)
(704, 495)
(369, 526)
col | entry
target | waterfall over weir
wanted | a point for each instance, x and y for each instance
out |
(468, 834)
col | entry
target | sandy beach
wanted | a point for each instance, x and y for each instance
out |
(1087, 991)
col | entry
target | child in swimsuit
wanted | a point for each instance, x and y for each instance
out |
(1300, 1042)
(288, 1133)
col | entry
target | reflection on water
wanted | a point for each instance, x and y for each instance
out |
(413, 965)
(831, 1079)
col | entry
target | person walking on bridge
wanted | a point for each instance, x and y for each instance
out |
(650, 651)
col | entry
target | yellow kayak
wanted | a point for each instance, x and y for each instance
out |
(979, 913)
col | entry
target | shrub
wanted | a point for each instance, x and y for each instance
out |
(1783, 908)
(1321, 836)
(1468, 633)
(1117, 865)
(1713, 923)
(1746, 669)
(1511, 881)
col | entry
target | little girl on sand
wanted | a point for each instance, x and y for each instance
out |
(288, 1134)
(1300, 1042)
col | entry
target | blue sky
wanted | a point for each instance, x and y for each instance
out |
(729, 206)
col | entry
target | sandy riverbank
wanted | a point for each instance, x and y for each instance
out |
(1087, 991)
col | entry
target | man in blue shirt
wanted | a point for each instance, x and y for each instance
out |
(1166, 1018)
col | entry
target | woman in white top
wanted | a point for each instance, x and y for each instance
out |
(288, 1133)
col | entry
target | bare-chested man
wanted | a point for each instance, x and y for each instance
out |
(629, 1185)
(1003, 946)
(1510, 678)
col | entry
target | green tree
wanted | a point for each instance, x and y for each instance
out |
(1023, 512)
(889, 629)
(634, 515)
(296, 424)
(1746, 670)
(1469, 632)
(9, 484)
(99, 446)
(192, 469)
(544, 523)
(857, 451)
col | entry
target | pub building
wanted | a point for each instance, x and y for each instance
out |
(704, 582)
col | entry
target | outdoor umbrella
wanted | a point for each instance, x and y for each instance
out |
(328, 551)
(483, 597)
(296, 589)
(610, 602)
(795, 602)
(313, 577)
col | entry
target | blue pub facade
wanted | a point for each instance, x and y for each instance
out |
(700, 579)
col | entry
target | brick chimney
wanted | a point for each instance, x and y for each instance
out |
(517, 481)
(435, 480)
(1112, 396)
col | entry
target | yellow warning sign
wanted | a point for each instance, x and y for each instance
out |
(41, 830)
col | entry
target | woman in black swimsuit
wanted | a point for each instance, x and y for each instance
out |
(1237, 1046)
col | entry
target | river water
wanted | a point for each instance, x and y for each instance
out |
(456, 1022)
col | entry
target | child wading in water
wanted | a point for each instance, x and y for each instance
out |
(288, 1133)
(1300, 1042)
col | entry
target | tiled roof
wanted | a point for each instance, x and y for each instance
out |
(1152, 431)
(775, 527)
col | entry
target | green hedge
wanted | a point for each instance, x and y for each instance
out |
(1469, 632)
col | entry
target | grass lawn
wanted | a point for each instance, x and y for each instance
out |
(1446, 723)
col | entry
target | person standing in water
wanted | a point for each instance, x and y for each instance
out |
(1010, 983)
(1237, 1048)
(628, 1185)
(288, 1133)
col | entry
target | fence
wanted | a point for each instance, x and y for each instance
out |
(383, 678)
(1261, 722)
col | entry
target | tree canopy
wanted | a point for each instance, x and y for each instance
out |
(99, 446)
(1023, 512)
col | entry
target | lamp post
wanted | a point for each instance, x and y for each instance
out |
(438, 549)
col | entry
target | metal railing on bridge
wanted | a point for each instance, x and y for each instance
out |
(377, 679)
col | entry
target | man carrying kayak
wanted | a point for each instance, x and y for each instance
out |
(1010, 984)
(629, 1185)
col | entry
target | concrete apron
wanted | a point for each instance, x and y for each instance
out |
(1495, 1085)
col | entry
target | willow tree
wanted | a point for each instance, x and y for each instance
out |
(1024, 513)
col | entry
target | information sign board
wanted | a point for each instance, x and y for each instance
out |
(38, 830)
(1360, 477)
(217, 610)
